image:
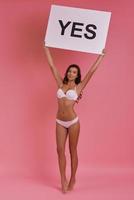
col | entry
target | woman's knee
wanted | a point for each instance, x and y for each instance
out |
(73, 151)
(61, 151)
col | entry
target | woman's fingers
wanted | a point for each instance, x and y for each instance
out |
(103, 51)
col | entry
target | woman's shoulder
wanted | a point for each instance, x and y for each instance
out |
(79, 87)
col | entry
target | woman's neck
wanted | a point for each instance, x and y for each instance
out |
(71, 83)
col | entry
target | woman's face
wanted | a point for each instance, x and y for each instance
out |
(72, 73)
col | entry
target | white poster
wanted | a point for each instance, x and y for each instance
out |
(77, 29)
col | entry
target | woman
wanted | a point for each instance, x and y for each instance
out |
(67, 122)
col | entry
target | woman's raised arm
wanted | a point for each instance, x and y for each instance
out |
(53, 68)
(91, 71)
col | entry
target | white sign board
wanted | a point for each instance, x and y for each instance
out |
(77, 29)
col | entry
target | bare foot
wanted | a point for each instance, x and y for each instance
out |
(71, 184)
(64, 186)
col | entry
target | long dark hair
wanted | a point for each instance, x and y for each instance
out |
(78, 79)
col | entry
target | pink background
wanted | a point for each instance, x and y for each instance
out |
(28, 91)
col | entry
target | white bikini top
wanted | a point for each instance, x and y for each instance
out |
(71, 94)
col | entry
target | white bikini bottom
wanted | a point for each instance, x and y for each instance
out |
(67, 124)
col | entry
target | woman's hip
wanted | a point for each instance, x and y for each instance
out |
(67, 123)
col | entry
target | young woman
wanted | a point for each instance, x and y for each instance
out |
(67, 122)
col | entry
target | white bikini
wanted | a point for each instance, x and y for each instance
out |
(70, 94)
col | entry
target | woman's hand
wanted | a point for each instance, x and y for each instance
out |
(103, 52)
(44, 44)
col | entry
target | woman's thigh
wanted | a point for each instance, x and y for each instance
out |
(73, 132)
(61, 136)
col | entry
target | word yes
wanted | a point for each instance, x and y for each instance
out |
(76, 26)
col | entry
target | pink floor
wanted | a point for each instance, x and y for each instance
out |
(101, 184)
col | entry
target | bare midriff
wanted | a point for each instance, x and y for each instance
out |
(65, 109)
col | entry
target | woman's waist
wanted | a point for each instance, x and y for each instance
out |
(65, 115)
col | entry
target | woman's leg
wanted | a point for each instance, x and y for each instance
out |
(73, 132)
(61, 136)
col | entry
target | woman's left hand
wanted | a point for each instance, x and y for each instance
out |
(103, 52)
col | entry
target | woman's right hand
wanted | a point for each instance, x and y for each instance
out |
(44, 44)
